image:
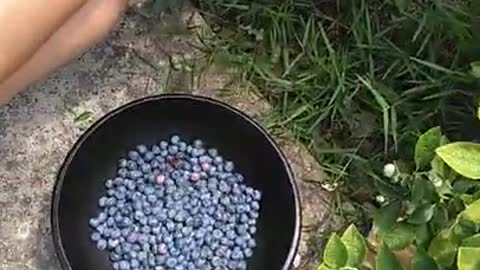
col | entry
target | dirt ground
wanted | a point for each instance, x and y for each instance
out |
(40, 125)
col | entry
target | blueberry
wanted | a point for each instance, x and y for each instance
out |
(182, 147)
(251, 243)
(197, 144)
(113, 243)
(122, 172)
(216, 261)
(163, 145)
(142, 149)
(218, 160)
(156, 149)
(146, 168)
(171, 262)
(102, 244)
(201, 215)
(149, 156)
(96, 236)
(102, 202)
(133, 155)
(134, 263)
(195, 177)
(116, 233)
(173, 149)
(237, 254)
(94, 222)
(109, 183)
(213, 152)
(115, 257)
(135, 174)
(242, 265)
(175, 139)
(257, 195)
(229, 166)
(124, 265)
(132, 165)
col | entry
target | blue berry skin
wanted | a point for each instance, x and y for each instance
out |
(197, 144)
(142, 149)
(109, 183)
(149, 156)
(229, 166)
(201, 216)
(134, 155)
(171, 262)
(102, 244)
(175, 139)
(96, 236)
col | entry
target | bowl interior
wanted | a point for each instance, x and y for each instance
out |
(95, 157)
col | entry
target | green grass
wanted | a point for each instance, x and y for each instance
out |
(355, 80)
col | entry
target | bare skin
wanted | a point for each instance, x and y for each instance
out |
(38, 37)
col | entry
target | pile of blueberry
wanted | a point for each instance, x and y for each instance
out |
(177, 206)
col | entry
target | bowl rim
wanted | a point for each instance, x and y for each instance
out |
(57, 239)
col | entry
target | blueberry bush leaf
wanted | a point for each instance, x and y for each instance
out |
(443, 248)
(422, 235)
(423, 261)
(472, 212)
(468, 258)
(422, 191)
(356, 246)
(463, 157)
(386, 260)
(386, 216)
(335, 254)
(422, 214)
(425, 147)
(401, 236)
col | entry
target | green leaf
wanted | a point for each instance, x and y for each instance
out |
(423, 235)
(425, 147)
(475, 69)
(356, 246)
(83, 117)
(400, 237)
(335, 254)
(387, 216)
(463, 157)
(472, 212)
(386, 260)
(422, 191)
(443, 248)
(422, 261)
(422, 214)
(468, 258)
(323, 267)
(440, 217)
(472, 241)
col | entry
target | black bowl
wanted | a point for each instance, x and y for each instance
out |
(146, 121)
